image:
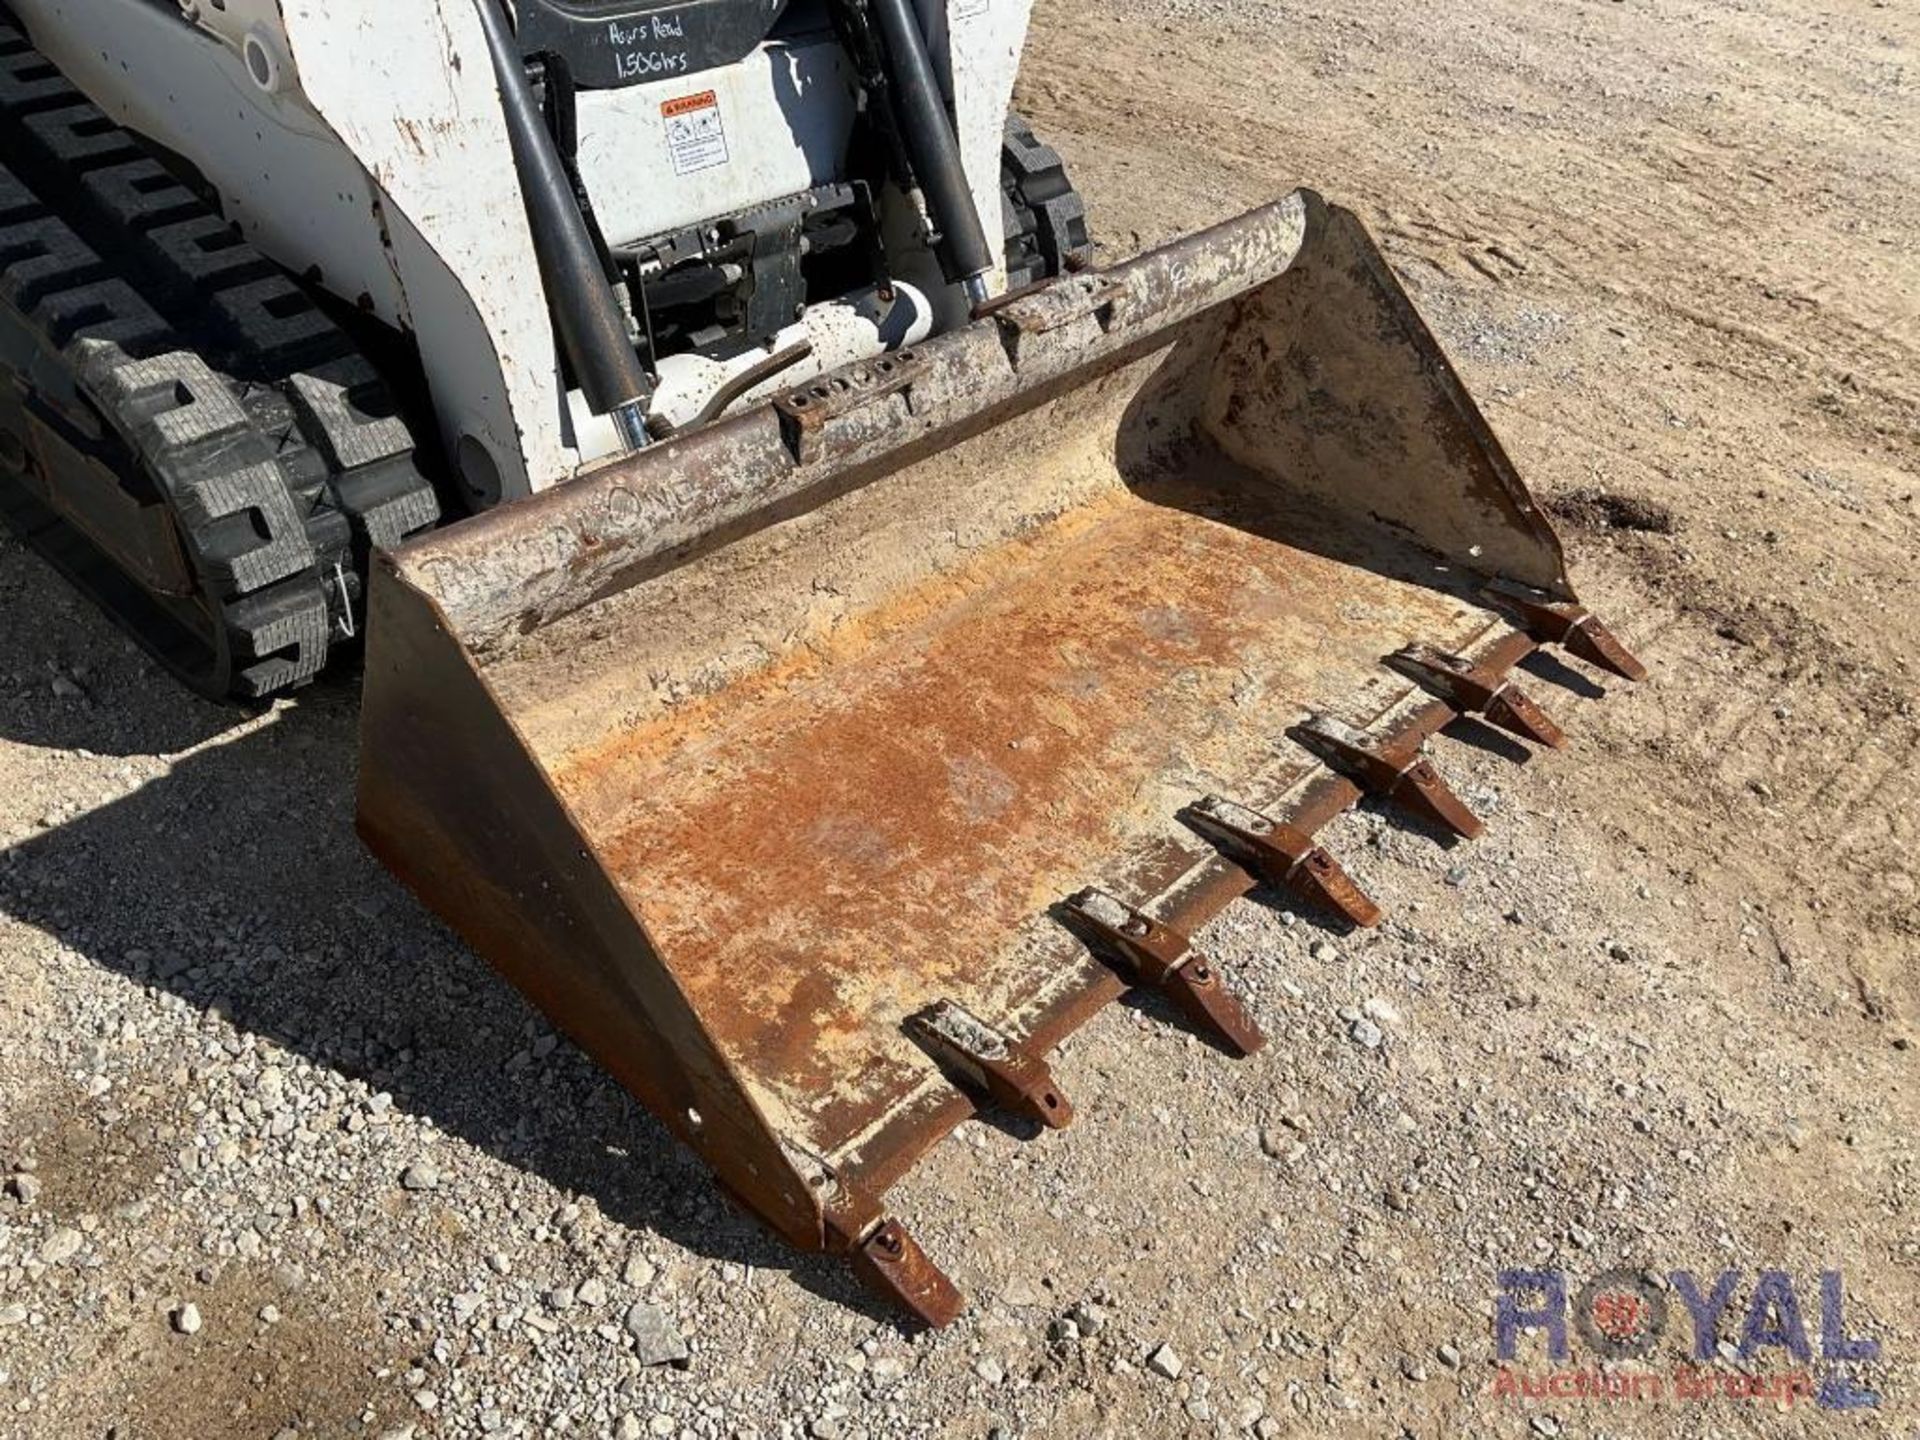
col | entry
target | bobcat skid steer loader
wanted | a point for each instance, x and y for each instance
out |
(873, 638)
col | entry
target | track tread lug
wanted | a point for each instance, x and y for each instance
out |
(41, 256)
(140, 195)
(29, 84)
(284, 632)
(104, 311)
(206, 253)
(1045, 221)
(17, 202)
(79, 137)
(280, 327)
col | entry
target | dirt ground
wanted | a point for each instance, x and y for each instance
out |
(1661, 1018)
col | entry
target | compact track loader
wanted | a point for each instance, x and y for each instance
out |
(874, 637)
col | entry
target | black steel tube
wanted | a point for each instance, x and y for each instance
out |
(593, 329)
(931, 144)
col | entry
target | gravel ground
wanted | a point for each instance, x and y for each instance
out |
(279, 1156)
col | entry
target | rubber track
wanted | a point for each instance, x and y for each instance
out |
(227, 388)
(1046, 220)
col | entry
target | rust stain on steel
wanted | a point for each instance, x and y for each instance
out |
(1194, 884)
(817, 862)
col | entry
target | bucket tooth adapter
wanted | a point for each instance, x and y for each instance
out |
(762, 758)
(1280, 855)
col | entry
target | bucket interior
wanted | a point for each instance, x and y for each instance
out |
(841, 769)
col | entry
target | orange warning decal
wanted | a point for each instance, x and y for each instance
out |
(696, 135)
(688, 103)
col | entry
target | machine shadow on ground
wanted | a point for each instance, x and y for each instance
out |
(235, 881)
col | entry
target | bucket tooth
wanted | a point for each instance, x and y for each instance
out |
(1156, 955)
(1394, 770)
(1568, 624)
(1515, 711)
(1593, 642)
(990, 1063)
(877, 1247)
(1421, 790)
(1476, 690)
(891, 1264)
(1282, 855)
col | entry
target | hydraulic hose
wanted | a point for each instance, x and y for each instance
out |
(592, 326)
(932, 146)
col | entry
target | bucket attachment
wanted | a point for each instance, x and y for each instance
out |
(819, 770)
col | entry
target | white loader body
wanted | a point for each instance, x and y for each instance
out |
(362, 144)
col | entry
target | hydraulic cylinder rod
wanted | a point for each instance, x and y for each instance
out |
(592, 326)
(932, 146)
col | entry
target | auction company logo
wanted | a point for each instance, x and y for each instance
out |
(1621, 1315)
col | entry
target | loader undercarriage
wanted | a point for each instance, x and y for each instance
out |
(185, 434)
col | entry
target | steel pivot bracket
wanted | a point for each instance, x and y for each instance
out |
(988, 1062)
(810, 413)
(1282, 855)
(1396, 771)
(1475, 690)
(1152, 954)
(1565, 623)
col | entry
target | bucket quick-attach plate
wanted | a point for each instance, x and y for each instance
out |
(740, 754)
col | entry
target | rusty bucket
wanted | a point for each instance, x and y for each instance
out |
(819, 770)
